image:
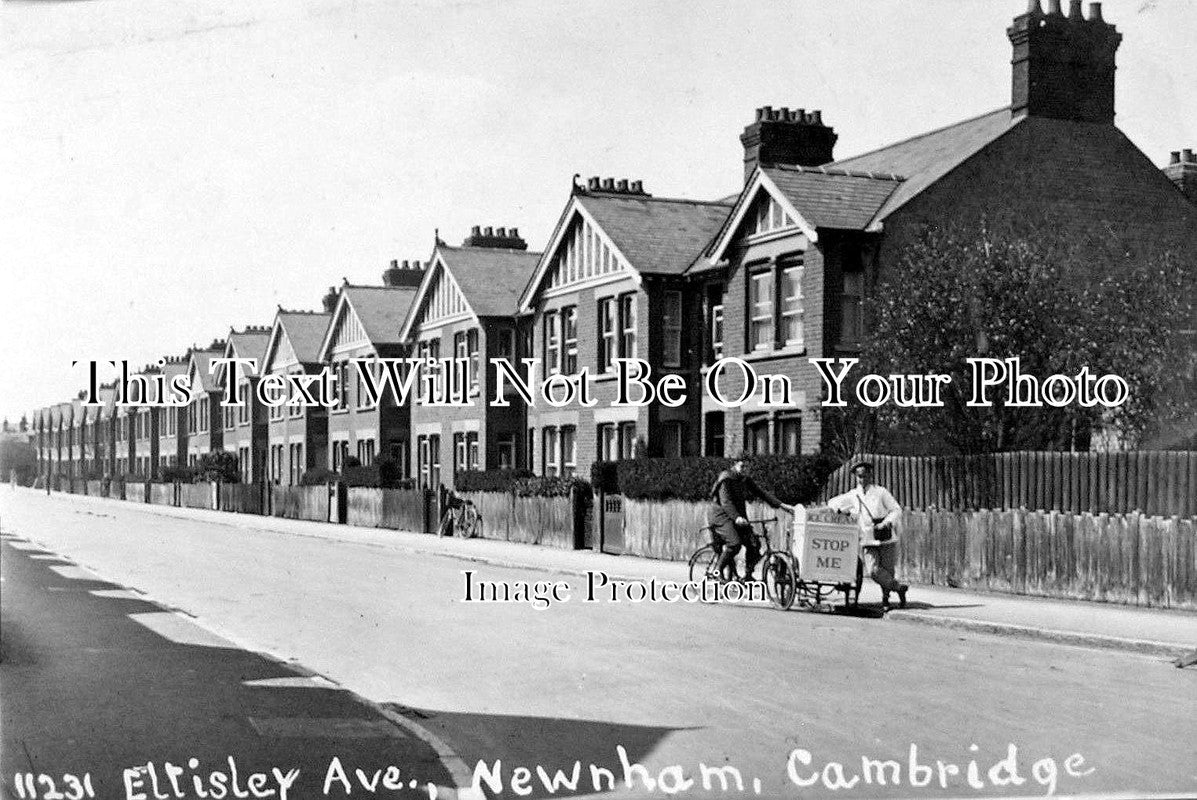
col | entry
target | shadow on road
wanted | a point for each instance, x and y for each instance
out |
(508, 742)
(100, 683)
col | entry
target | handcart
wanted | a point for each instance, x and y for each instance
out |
(827, 556)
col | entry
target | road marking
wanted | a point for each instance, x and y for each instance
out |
(324, 728)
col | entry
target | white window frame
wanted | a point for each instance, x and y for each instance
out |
(793, 306)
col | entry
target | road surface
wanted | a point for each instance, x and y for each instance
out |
(798, 703)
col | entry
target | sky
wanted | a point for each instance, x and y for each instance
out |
(169, 170)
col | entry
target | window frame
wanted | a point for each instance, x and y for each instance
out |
(671, 329)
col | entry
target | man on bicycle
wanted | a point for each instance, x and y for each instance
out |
(728, 517)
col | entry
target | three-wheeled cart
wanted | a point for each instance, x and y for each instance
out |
(828, 560)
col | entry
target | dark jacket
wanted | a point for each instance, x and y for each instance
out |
(731, 492)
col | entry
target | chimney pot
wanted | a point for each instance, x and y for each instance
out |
(501, 233)
(476, 230)
(816, 117)
(514, 233)
(1074, 10)
(593, 184)
(638, 187)
(1187, 155)
(622, 185)
(1095, 12)
(488, 231)
(1053, 8)
(394, 262)
(800, 115)
(608, 184)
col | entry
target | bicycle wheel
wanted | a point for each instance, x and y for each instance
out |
(702, 564)
(473, 523)
(781, 580)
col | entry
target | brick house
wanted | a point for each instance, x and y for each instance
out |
(172, 420)
(100, 432)
(466, 307)
(205, 422)
(367, 322)
(809, 237)
(611, 284)
(142, 433)
(297, 437)
(245, 426)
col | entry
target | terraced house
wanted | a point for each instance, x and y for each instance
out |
(172, 420)
(611, 284)
(790, 275)
(245, 426)
(297, 437)
(466, 308)
(367, 322)
(205, 420)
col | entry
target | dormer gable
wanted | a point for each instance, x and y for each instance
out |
(762, 210)
(579, 254)
(439, 301)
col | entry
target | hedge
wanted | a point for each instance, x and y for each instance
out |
(793, 479)
(490, 480)
(518, 481)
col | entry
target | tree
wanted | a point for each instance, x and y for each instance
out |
(1058, 308)
(219, 465)
(19, 456)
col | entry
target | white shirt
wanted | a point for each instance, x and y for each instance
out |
(875, 502)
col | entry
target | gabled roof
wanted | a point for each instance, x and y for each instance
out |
(491, 280)
(304, 331)
(926, 158)
(657, 235)
(382, 311)
(249, 343)
(813, 197)
(831, 199)
(652, 235)
(201, 360)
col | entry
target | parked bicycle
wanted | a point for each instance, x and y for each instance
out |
(779, 569)
(461, 518)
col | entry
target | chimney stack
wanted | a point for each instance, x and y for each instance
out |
(501, 238)
(330, 299)
(410, 274)
(1182, 171)
(785, 136)
(1063, 67)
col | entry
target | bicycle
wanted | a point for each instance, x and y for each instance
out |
(463, 519)
(779, 569)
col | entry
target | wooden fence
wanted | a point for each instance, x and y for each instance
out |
(137, 491)
(1131, 558)
(395, 509)
(242, 498)
(196, 495)
(163, 494)
(550, 521)
(1156, 483)
(300, 502)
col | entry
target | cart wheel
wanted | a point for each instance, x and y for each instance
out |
(781, 580)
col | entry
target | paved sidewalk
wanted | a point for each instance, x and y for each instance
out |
(1161, 632)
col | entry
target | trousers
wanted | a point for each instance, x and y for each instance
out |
(881, 563)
